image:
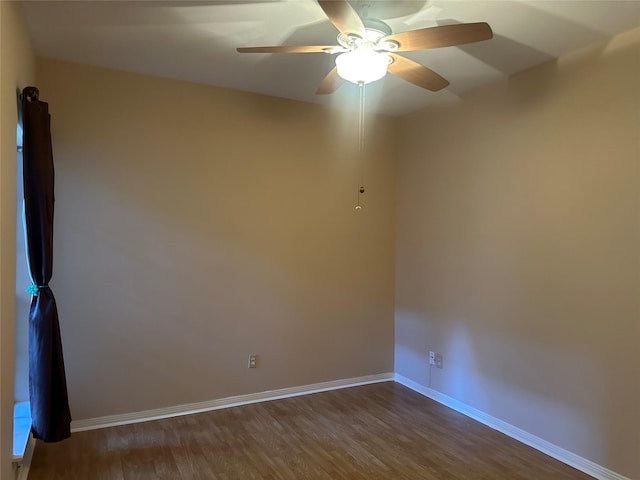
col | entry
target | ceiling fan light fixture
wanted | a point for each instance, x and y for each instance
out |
(362, 65)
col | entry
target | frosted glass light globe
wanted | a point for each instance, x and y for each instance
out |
(362, 66)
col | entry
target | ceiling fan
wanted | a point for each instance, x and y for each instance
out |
(368, 49)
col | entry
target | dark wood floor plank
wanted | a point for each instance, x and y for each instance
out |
(373, 432)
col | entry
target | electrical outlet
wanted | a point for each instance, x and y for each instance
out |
(438, 360)
(432, 358)
(253, 361)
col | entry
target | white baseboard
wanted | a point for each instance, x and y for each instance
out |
(177, 410)
(569, 458)
(25, 464)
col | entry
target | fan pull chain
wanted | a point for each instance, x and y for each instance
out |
(361, 143)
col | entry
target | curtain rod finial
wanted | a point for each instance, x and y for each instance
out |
(30, 93)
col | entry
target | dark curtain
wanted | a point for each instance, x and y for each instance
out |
(50, 415)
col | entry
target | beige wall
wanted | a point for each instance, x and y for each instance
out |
(518, 252)
(198, 225)
(16, 72)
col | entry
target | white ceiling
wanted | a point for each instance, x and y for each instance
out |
(196, 41)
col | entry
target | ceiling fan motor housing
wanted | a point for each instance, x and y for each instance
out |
(374, 34)
(378, 25)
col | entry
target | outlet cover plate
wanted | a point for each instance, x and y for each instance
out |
(438, 360)
(253, 361)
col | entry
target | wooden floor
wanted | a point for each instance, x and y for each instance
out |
(380, 431)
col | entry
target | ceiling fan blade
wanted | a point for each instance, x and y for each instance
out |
(330, 83)
(287, 49)
(343, 16)
(441, 36)
(417, 74)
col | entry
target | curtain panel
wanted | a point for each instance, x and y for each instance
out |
(51, 419)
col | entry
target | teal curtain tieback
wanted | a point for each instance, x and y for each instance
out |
(33, 289)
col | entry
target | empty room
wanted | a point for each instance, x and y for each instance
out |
(320, 239)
